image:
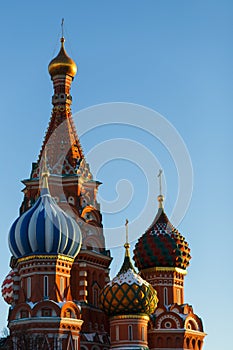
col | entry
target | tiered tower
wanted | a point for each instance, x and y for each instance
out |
(162, 256)
(72, 187)
(128, 300)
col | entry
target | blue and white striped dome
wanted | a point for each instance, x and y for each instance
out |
(45, 229)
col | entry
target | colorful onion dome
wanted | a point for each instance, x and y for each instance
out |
(161, 245)
(7, 288)
(128, 293)
(62, 64)
(45, 229)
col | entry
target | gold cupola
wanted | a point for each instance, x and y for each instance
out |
(62, 64)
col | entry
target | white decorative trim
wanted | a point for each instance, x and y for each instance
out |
(167, 317)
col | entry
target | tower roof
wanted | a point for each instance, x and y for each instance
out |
(128, 293)
(45, 228)
(62, 64)
(65, 155)
(161, 245)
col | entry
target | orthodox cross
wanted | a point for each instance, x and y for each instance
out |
(62, 28)
(160, 181)
(126, 231)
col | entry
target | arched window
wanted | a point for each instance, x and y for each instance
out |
(46, 287)
(95, 297)
(130, 332)
(160, 341)
(178, 342)
(29, 287)
(165, 295)
(117, 333)
(143, 333)
(169, 342)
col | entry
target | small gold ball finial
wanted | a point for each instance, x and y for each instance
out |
(160, 200)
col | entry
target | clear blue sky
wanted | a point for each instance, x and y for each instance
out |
(175, 57)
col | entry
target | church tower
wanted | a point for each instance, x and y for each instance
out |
(128, 300)
(72, 187)
(162, 256)
(44, 242)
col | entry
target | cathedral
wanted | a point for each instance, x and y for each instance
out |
(58, 288)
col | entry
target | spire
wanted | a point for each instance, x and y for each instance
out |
(44, 174)
(160, 196)
(127, 261)
(64, 152)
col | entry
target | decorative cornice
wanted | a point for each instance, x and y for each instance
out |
(46, 257)
(165, 269)
(124, 317)
(175, 330)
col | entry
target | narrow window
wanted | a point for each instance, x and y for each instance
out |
(178, 296)
(130, 332)
(95, 297)
(165, 296)
(117, 332)
(46, 282)
(29, 287)
(143, 333)
(62, 287)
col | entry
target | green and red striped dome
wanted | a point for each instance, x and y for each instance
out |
(161, 245)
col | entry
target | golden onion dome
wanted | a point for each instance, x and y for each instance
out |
(62, 64)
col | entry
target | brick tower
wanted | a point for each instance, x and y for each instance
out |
(162, 256)
(44, 242)
(128, 300)
(74, 190)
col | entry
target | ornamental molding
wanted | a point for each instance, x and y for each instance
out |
(192, 319)
(164, 269)
(168, 317)
(46, 257)
(125, 317)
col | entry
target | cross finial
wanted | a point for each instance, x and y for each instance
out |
(160, 196)
(127, 245)
(62, 28)
(160, 181)
(126, 231)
